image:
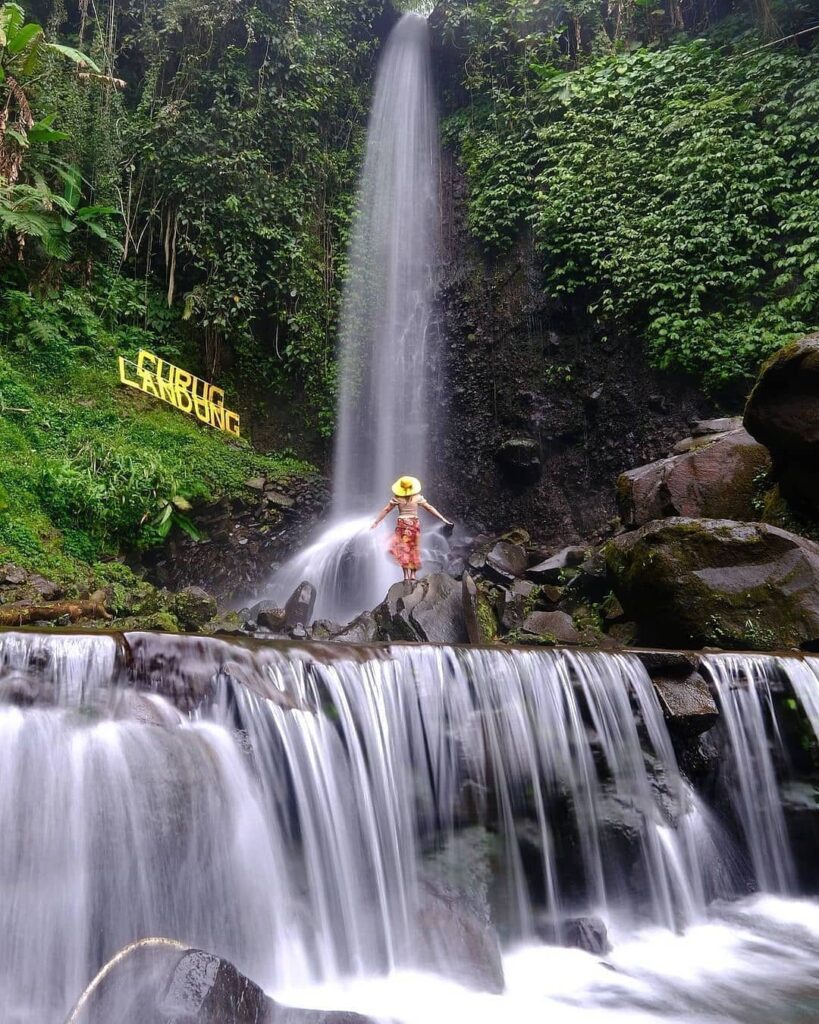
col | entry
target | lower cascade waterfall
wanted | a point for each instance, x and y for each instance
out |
(416, 833)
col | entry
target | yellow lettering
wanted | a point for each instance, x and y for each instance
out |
(217, 416)
(179, 388)
(201, 409)
(123, 375)
(232, 423)
(183, 399)
(166, 391)
(148, 385)
(142, 358)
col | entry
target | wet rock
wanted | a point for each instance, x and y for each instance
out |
(519, 459)
(431, 610)
(323, 629)
(550, 570)
(668, 663)
(783, 414)
(556, 627)
(456, 937)
(298, 632)
(502, 563)
(193, 607)
(268, 615)
(298, 609)
(698, 582)
(362, 630)
(204, 988)
(586, 933)
(687, 702)
(479, 617)
(717, 480)
(703, 428)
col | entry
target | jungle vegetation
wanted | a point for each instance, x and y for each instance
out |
(179, 176)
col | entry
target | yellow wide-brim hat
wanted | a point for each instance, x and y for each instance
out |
(406, 486)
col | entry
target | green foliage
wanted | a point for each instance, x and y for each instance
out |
(88, 468)
(671, 192)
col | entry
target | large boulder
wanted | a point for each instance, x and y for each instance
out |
(718, 480)
(502, 562)
(193, 607)
(783, 414)
(430, 610)
(694, 582)
(298, 609)
(551, 570)
(157, 981)
(551, 627)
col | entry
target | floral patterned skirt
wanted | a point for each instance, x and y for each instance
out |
(405, 545)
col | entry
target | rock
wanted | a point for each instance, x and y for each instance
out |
(717, 480)
(193, 607)
(783, 414)
(432, 610)
(696, 582)
(479, 617)
(519, 458)
(456, 937)
(268, 615)
(687, 702)
(557, 627)
(255, 483)
(204, 988)
(298, 632)
(668, 663)
(324, 629)
(298, 609)
(502, 563)
(47, 589)
(550, 570)
(157, 982)
(702, 428)
(278, 499)
(362, 630)
(13, 574)
(586, 933)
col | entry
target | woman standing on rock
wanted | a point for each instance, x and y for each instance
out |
(405, 546)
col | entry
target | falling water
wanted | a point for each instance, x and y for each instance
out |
(324, 814)
(387, 338)
(743, 685)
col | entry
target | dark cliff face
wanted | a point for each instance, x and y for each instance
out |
(537, 414)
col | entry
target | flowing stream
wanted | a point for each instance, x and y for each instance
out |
(388, 341)
(335, 821)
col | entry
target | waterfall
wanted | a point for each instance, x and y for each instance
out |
(321, 815)
(743, 685)
(388, 342)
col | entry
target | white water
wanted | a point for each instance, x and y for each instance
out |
(388, 343)
(538, 782)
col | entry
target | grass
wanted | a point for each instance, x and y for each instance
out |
(88, 468)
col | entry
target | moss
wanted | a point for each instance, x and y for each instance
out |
(487, 623)
(163, 622)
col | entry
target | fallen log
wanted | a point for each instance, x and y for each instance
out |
(19, 614)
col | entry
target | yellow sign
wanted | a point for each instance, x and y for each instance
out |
(163, 380)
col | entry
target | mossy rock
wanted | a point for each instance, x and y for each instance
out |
(696, 582)
(161, 622)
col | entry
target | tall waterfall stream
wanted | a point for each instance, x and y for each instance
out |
(322, 816)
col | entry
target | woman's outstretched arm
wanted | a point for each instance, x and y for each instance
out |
(430, 508)
(385, 511)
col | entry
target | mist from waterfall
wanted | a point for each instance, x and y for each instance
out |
(388, 342)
